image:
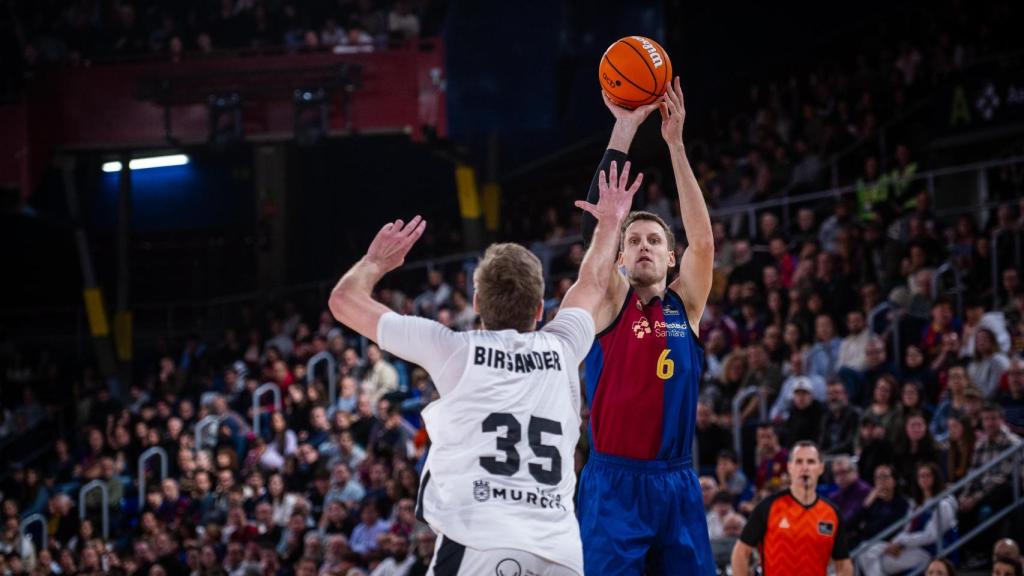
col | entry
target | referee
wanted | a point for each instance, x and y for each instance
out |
(796, 532)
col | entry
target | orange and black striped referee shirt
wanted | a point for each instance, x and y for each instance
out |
(796, 540)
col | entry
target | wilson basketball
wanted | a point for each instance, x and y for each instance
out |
(635, 71)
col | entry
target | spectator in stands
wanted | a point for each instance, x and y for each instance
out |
(823, 358)
(917, 542)
(283, 442)
(860, 383)
(988, 364)
(1012, 400)
(785, 263)
(714, 354)
(882, 507)
(708, 489)
(729, 476)
(721, 546)
(954, 401)
(852, 350)
(344, 487)
(332, 34)
(873, 446)
(391, 438)
(1006, 548)
(883, 406)
(381, 378)
(960, 447)
(365, 536)
(992, 491)
(721, 508)
(711, 437)
(771, 459)
(916, 372)
(437, 293)
(1003, 566)
(840, 422)
(734, 372)
(763, 374)
(402, 22)
(940, 567)
(463, 315)
(781, 407)
(942, 322)
(806, 415)
(851, 490)
(915, 446)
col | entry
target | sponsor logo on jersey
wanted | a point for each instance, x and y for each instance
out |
(784, 523)
(482, 490)
(674, 329)
(669, 310)
(641, 328)
(508, 567)
(544, 498)
(520, 363)
(825, 528)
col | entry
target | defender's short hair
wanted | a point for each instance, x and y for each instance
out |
(509, 287)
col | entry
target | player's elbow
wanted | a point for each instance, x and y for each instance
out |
(703, 243)
(340, 302)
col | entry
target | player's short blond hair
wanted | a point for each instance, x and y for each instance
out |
(670, 238)
(509, 288)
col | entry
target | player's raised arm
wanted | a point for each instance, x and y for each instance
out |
(351, 302)
(627, 122)
(695, 270)
(615, 197)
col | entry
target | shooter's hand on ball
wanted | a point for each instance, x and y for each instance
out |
(673, 114)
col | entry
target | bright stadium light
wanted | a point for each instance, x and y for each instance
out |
(152, 162)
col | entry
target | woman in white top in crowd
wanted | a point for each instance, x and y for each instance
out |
(918, 542)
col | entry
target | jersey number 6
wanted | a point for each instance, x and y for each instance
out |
(666, 367)
(507, 444)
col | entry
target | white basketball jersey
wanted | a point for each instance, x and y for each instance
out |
(501, 468)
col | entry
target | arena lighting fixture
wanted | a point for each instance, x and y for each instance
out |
(151, 162)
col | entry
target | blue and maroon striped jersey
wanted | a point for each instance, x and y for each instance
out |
(642, 377)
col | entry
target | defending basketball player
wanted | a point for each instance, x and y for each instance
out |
(640, 505)
(499, 479)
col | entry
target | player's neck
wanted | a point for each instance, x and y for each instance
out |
(804, 495)
(647, 293)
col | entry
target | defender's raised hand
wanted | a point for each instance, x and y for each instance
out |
(616, 196)
(391, 245)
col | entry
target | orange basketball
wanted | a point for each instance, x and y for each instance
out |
(635, 71)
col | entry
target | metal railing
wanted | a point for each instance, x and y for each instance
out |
(996, 235)
(258, 395)
(332, 375)
(44, 536)
(104, 503)
(838, 192)
(202, 426)
(949, 268)
(1016, 453)
(143, 458)
(894, 314)
(737, 409)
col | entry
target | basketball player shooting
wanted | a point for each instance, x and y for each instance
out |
(498, 482)
(640, 505)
